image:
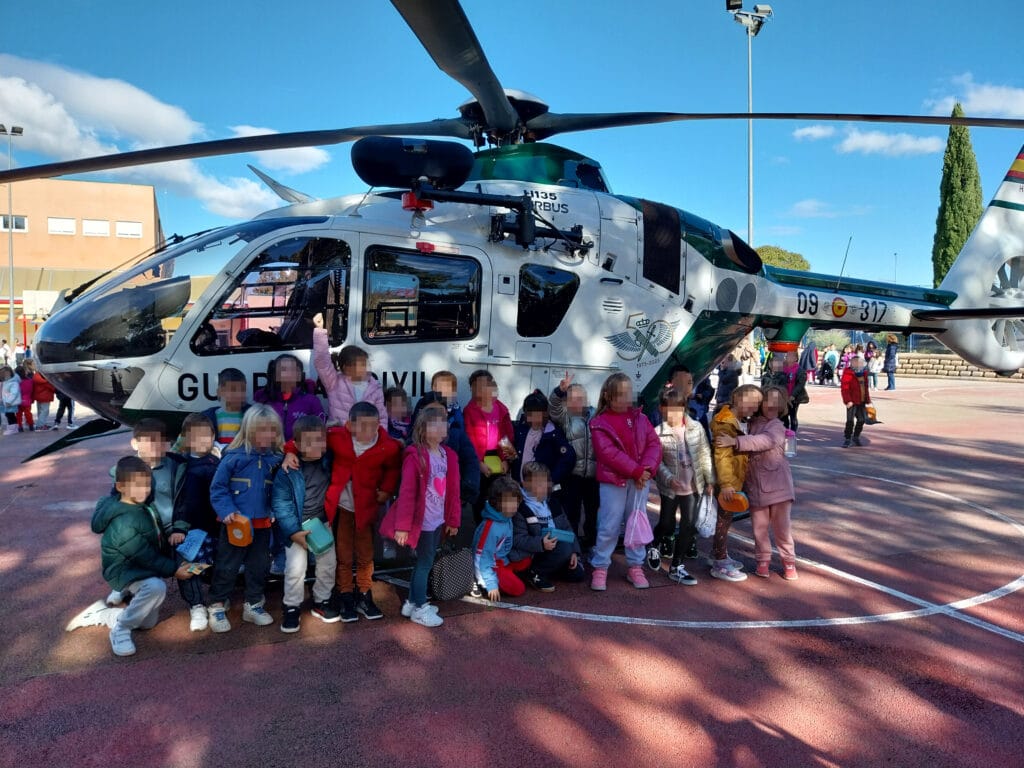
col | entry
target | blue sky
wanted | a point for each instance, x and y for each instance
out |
(87, 77)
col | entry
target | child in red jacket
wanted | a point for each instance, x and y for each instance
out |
(364, 474)
(25, 409)
(43, 393)
(856, 396)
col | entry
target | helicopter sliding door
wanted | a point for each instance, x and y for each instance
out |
(424, 308)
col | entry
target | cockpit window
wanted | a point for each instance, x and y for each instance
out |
(272, 303)
(545, 294)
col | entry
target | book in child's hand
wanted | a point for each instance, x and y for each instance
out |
(559, 534)
(319, 539)
(493, 463)
(189, 548)
(196, 568)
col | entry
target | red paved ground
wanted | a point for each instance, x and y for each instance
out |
(500, 687)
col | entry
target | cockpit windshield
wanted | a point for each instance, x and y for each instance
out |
(137, 312)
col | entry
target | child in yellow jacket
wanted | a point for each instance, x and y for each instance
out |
(731, 468)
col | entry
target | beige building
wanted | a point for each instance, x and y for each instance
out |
(66, 232)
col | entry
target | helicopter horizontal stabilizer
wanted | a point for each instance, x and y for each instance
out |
(88, 431)
(287, 194)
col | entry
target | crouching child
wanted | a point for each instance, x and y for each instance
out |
(548, 555)
(136, 556)
(493, 541)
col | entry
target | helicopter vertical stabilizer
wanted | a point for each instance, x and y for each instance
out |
(989, 274)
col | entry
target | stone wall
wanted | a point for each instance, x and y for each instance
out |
(913, 364)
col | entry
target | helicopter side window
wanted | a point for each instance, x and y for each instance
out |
(273, 301)
(410, 296)
(545, 294)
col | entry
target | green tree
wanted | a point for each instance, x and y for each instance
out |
(959, 198)
(780, 257)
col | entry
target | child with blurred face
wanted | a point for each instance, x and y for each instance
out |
(151, 444)
(568, 408)
(493, 540)
(397, 403)
(226, 417)
(352, 384)
(731, 469)
(489, 428)
(856, 394)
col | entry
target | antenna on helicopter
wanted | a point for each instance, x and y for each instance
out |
(842, 269)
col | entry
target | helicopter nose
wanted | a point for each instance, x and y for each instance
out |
(94, 349)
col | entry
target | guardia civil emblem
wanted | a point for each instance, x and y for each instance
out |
(643, 337)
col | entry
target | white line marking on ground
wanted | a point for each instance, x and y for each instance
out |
(927, 608)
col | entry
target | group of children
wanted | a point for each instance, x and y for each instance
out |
(21, 386)
(246, 483)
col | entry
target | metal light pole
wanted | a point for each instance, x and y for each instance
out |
(16, 130)
(752, 21)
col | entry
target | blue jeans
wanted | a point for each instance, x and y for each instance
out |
(426, 549)
(616, 504)
(892, 379)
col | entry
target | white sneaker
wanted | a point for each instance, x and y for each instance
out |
(121, 641)
(256, 614)
(218, 618)
(722, 570)
(199, 620)
(426, 616)
(408, 608)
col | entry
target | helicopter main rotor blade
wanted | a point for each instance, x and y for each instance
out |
(550, 124)
(445, 32)
(452, 128)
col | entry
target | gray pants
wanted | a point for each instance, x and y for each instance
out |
(144, 609)
(42, 413)
(295, 561)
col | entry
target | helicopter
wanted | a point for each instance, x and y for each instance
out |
(513, 256)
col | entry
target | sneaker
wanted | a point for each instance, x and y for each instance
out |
(668, 547)
(789, 571)
(680, 575)
(424, 616)
(846, 443)
(256, 614)
(72, 425)
(325, 611)
(476, 591)
(653, 558)
(635, 576)
(218, 618)
(198, 618)
(367, 608)
(691, 553)
(537, 581)
(762, 571)
(736, 565)
(721, 570)
(115, 598)
(408, 608)
(121, 641)
(290, 619)
(599, 580)
(857, 442)
(348, 608)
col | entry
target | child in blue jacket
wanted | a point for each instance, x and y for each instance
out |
(540, 439)
(240, 492)
(493, 540)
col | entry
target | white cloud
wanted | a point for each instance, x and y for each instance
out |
(818, 209)
(68, 114)
(979, 99)
(891, 144)
(298, 160)
(813, 132)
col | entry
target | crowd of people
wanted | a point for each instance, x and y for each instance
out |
(282, 481)
(20, 387)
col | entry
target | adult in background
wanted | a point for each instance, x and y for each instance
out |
(892, 359)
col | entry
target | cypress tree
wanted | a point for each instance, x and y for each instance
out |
(959, 198)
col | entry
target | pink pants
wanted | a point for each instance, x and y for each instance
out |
(775, 517)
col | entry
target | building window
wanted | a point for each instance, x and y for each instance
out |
(129, 229)
(272, 303)
(20, 223)
(545, 294)
(95, 228)
(60, 226)
(413, 297)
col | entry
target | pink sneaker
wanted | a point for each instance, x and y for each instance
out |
(789, 571)
(599, 580)
(762, 571)
(635, 576)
